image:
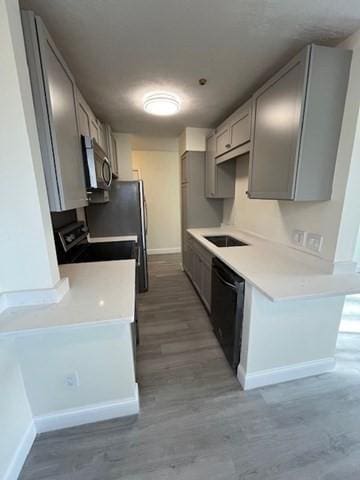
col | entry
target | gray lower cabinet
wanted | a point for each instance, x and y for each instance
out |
(219, 179)
(197, 264)
(54, 94)
(296, 123)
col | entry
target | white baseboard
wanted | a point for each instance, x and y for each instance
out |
(160, 251)
(284, 374)
(34, 297)
(22, 451)
(98, 412)
(344, 267)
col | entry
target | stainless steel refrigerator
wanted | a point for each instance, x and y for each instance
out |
(124, 214)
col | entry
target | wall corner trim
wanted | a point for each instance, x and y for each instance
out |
(20, 454)
(287, 373)
(44, 296)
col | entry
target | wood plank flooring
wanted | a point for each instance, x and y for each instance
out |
(196, 423)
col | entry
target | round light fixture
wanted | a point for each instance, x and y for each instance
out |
(162, 104)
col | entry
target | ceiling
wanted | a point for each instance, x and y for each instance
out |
(119, 50)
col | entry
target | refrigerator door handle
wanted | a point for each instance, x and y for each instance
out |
(138, 255)
(146, 216)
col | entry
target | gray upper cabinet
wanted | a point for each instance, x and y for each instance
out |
(219, 179)
(84, 115)
(54, 94)
(222, 139)
(196, 209)
(296, 124)
(232, 137)
(94, 128)
(102, 136)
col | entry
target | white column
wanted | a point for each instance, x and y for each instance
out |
(348, 155)
(27, 252)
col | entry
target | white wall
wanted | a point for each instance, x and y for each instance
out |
(100, 356)
(337, 221)
(160, 171)
(349, 149)
(300, 331)
(123, 145)
(160, 144)
(27, 254)
(15, 413)
(193, 139)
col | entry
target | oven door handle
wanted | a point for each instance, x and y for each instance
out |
(223, 281)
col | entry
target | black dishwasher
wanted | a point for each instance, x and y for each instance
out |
(227, 305)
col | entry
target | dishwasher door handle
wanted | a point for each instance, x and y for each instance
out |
(223, 281)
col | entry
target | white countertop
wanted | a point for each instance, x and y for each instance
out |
(123, 238)
(281, 273)
(100, 293)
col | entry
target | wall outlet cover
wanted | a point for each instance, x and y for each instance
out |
(72, 380)
(298, 237)
(314, 242)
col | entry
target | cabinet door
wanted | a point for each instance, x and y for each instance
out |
(210, 167)
(240, 128)
(184, 168)
(84, 119)
(94, 129)
(277, 121)
(61, 101)
(206, 284)
(223, 143)
(102, 137)
(197, 274)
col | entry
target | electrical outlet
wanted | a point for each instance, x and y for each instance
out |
(314, 242)
(72, 380)
(298, 237)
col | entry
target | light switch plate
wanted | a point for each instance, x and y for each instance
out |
(298, 237)
(314, 242)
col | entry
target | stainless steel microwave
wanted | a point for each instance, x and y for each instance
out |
(97, 166)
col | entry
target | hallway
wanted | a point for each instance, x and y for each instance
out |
(195, 422)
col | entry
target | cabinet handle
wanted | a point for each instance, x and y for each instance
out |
(228, 145)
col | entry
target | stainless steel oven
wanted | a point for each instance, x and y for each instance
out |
(97, 166)
(227, 304)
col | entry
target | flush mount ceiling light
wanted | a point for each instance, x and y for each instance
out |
(161, 103)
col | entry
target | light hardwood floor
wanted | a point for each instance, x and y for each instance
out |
(196, 423)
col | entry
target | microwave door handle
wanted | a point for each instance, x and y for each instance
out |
(108, 165)
(222, 280)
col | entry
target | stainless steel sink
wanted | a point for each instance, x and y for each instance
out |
(225, 241)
